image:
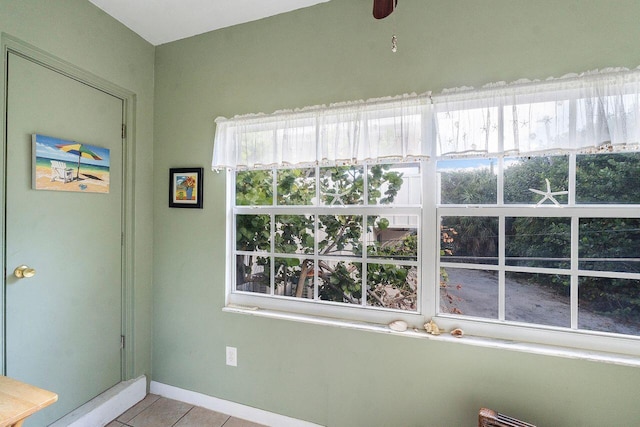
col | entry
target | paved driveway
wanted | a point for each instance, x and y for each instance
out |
(475, 293)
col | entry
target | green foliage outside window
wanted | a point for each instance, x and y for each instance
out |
(341, 237)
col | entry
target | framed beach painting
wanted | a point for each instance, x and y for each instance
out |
(62, 165)
(185, 188)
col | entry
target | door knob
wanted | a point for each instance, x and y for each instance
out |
(24, 272)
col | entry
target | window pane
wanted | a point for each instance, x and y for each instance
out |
(341, 185)
(469, 292)
(340, 235)
(469, 239)
(393, 236)
(340, 281)
(608, 178)
(394, 184)
(609, 305)
(253, 274)
(467, 182)
(392, 286)
(296, 186)
(536, 180)
(609, 244)
(253, 232)
(294, 234)
(538, 242)
(254, 188)
(538, 298)
(294, 278)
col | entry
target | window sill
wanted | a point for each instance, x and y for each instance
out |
(541, 349)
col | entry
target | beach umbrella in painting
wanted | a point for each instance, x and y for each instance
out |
(79, 150)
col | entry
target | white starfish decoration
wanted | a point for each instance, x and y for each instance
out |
(337, 197)
(548, 195)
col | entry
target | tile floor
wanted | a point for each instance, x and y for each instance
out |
(157, 411)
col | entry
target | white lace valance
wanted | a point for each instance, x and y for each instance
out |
(573, 113)
(344, 133)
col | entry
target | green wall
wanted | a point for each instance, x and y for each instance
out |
(79, 33)
(337, 52)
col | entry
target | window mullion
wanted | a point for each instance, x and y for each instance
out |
(575, 228)
(501, 266)
(316, 293)
(429, 243)
(573, 281)
(429, 246)
(363, 236)
(363, 259)
(316, 283)
(272, 241)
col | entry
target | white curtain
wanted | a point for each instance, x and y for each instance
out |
(575, 113)
(585, 112)
(377, 130)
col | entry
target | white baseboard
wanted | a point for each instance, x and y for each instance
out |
(104, 408)
(226, 407)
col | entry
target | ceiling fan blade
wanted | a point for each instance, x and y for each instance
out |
(383, 8)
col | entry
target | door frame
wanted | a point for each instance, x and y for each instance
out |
(12, 45)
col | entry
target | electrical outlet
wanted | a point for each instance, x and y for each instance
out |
(232, 356)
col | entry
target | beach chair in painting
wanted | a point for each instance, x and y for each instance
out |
(60, 172)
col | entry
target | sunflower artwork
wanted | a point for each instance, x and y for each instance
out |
(185, 188)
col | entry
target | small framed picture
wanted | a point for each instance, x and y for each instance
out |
(185, 188)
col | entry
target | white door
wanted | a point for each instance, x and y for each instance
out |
(63, 325)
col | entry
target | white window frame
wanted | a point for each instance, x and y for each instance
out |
(429, 250)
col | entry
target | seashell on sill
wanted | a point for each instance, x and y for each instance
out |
(458, 333)
(398, 325)
(432, 328)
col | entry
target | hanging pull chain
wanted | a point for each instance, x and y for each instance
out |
(394, 39)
